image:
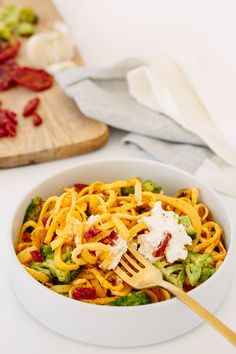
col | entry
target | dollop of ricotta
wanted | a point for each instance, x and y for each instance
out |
(159, 223)
(117, 251)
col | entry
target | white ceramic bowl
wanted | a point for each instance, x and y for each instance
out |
(120, 326)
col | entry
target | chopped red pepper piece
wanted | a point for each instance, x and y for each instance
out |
(159, 252)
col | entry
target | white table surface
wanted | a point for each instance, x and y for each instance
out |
(19, 332)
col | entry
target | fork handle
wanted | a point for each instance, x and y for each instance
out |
(201, 311)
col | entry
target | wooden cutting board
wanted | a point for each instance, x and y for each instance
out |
(65, 131)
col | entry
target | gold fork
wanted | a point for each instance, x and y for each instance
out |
(140, 274)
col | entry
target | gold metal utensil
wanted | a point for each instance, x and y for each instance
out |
(136, 271)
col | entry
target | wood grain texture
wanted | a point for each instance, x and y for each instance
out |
(65, 131)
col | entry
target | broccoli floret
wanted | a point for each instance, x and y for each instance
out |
(206, 273)
(25, 29)
(133, 299)
(198, 267)
(150, 186)
(27, 14)
(193, 272)
(202, 260)
(66, 256)
(46, 251)
(127, 190)
(61, 275)
(174, 274)
(39, 267)
(185, 220)
(33, 209)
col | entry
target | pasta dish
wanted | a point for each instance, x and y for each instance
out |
(72, 243)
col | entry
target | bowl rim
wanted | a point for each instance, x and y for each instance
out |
(170, 302)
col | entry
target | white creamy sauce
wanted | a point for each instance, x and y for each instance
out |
(159, 223)
(117, 251)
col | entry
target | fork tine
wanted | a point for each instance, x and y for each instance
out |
(131, 261)
(123, 275)
(138, 256)
(127, 267)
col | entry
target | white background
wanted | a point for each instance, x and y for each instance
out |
(107, 31)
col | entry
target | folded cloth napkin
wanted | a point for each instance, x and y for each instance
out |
(106, 96)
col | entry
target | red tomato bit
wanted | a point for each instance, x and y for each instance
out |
(80, 186)
(6, 70)
(37, 256)
(37, 119)
(91, 233)
(159, 252)
(9, 52)
(36, 80)
(8, 122)
(85, 293)
(44, 221)
(110, 240)
(31, 106)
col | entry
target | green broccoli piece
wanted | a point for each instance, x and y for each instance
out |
(66, 256)
(193, 272)
(33, 209)
(150, 186)
(127, 190)
(25, 29)
(27, 14)
(174, 274)
(185, 220)
(198, 267)
(46, 251)
(133, 299)
(201, 260)
(40, 267)
(206, 273)
(61, 275)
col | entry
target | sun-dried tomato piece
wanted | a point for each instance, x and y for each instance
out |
(8, 123)
(110, 240)
(91, 233)
(37, 119)
(37, 256)
(85, 293)
(6, 70)
(9, 52)
(159, 252)
(33, 79)
(80, 186)
(44, 220)
(31, 106)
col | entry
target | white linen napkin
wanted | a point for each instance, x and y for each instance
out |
(192, 97)
(167, 119)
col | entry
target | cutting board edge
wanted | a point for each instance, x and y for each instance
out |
(56, 153)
